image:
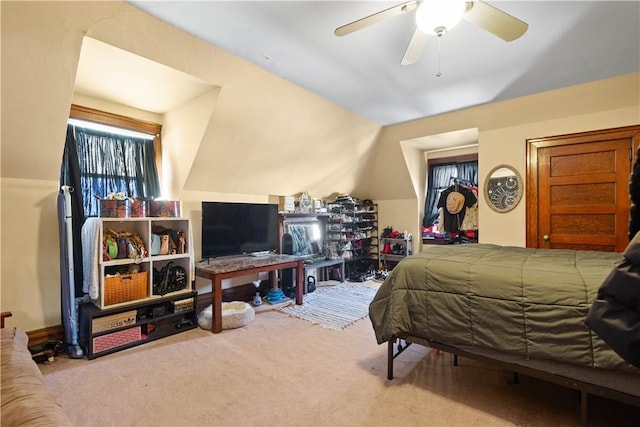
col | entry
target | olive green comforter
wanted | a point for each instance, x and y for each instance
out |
(528, 302)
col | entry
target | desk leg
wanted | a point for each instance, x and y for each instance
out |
(216, 326)
(299, 283)
(273, 277)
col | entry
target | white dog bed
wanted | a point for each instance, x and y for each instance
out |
(235, 314)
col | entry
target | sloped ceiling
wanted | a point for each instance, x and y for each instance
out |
(567, 43)
(109, 73)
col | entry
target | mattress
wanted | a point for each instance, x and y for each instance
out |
(525, 302)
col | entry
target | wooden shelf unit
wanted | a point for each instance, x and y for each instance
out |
(143, 227)
(106, 327)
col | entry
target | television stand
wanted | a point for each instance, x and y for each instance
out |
(219, 269)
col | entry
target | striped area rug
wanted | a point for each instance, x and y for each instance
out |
(334, 307)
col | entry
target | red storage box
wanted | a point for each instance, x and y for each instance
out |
(164, 208)
(116, 339)
(115, 208)
(139, 208)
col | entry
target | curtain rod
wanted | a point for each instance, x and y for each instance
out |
(438, 150)
(462, 181)
(110, 129)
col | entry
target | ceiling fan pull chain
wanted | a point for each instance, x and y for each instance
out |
(438, 74)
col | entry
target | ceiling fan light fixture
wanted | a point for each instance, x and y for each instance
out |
(439, 16)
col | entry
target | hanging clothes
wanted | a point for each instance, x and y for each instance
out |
(470, 221)
(454, 202)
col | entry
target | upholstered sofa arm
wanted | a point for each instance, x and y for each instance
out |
(25, 397)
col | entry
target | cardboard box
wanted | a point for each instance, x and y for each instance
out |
(118, 320)
(286, 204)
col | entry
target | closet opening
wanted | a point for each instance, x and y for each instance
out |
(451, 202)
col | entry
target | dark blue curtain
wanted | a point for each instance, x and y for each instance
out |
(468, 171)
(440, 178)
(110, 163)
(96, 164)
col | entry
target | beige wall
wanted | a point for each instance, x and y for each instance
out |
(503, 129)
(254, 135)
(251, 136)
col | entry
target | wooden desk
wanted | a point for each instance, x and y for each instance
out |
(217, 270)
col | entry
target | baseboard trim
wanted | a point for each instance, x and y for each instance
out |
(237, 293)
(41, 336)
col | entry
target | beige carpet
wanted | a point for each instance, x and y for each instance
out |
(283, 371)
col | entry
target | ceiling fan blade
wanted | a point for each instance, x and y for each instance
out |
(495, 21)
(415, 48)
(400, 9)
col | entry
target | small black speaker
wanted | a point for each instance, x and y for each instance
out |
(287, 244)
(287, 274)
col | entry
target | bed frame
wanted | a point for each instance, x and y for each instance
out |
(615, 385)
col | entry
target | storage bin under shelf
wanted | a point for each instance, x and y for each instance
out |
(125, 287)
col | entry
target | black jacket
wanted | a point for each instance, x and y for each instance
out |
(634, 195)
(615, 314)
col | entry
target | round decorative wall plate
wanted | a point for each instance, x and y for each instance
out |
(503, 188)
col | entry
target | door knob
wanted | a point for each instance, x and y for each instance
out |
(545, 238)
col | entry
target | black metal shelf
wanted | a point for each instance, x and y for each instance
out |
(362, 221)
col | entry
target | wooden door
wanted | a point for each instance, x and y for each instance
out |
(578, 190)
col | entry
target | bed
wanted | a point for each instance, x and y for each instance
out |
(521, 308)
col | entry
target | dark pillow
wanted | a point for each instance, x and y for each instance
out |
(615, 314)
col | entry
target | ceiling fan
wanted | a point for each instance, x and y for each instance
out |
(436, 17)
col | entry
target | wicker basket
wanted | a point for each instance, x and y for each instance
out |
(125, 287)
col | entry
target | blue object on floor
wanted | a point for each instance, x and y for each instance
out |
(276, 296)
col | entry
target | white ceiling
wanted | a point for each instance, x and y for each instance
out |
(567, 43)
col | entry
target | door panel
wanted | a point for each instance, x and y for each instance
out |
(577, 212)
(577, 190)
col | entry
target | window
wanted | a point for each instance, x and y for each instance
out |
(443, 173)
(98, 162)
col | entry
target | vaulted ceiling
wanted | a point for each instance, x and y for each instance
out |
(566, 43)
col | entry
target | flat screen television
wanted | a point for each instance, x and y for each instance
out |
(238, 228)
